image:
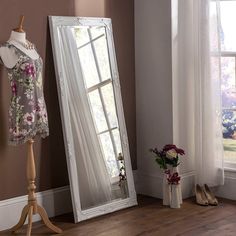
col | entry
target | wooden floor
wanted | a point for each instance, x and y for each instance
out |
(151, 218)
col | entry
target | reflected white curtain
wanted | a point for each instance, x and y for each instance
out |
(196, 88)
(93, 177)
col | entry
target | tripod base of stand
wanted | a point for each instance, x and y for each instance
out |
(30, 210)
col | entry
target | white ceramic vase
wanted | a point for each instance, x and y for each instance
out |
(175, 197)
(172, 194)
(166, 190)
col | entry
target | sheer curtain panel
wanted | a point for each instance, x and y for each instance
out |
(196, 88)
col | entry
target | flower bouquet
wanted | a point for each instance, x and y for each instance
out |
(168, 160)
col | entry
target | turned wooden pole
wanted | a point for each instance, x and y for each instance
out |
(31, 175)
(20, 28)
(32, 207)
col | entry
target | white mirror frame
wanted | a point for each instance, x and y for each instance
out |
(79, 215)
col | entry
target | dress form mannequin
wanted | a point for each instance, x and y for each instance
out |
(10, 58)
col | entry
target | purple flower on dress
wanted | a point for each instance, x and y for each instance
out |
(29, 118)
(38, 109)
(29, 70)
(13, 88)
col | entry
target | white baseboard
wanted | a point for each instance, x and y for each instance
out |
(55, 201)
(228, 190)
(151, 185)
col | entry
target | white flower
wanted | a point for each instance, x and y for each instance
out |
(31, 103)
(39, 81)
(24, 65)
(29, 118)
(171, 154)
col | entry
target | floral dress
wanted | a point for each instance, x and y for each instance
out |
(27, 112)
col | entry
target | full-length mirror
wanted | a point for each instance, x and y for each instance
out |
(92, 115)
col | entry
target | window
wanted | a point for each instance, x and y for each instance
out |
(228, 74)
(92, 47)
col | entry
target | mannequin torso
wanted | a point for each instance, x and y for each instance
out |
(9, 56)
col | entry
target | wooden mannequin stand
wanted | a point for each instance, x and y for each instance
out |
(32, 207)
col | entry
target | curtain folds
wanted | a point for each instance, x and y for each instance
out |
(93, 177)
(196, 88)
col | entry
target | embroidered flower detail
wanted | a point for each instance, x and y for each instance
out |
(13, 88)
(45, 117)
(29, 118)
(31, 103)
(40, 108)
(39, 81)
(28, 69)
(29, 94)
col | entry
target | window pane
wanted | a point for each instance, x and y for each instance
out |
(228, 19)
(228, 82)
(102, 56)
(81, 35)
(88, 66)
(116, 135)
(109, 154)
(108, 96)
(97, 110)
(229, 149)
(97, 31)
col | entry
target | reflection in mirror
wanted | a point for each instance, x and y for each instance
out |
(96, 71)
(92, 115)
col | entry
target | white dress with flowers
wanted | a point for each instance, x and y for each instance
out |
(27, 112)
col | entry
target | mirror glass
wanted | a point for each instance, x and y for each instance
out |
(92, 115)
(94, 61)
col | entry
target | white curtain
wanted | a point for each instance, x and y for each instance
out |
(196, 88)
(93, 177)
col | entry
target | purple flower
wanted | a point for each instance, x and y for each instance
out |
(180, 151)
(168, 147)
(38, 109)
(174, 178)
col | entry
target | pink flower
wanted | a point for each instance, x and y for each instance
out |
(13, 88)
(29, 69)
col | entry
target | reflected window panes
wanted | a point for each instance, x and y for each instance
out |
(109, 154)
(82, 36)
(108, 96)
(97, 32)
(90, 73)
(102, 56)
(116, 135)
(94, 59)
(97, 110)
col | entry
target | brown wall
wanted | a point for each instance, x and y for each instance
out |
(49, 153)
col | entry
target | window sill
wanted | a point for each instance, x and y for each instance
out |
(228, 169)
(230, 166)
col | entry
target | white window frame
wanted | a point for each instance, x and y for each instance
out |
(230, 166)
